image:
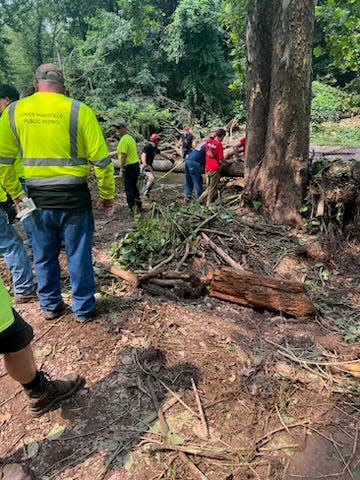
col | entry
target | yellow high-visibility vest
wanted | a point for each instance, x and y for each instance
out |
(3, 196)
(58, 140)
(6, 314)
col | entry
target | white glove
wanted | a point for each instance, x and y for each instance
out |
(25, 208)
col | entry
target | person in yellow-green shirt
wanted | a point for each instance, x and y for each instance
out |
(15, 344)
(11, 244)
(9, 94)
(59, 141)
(130, 167)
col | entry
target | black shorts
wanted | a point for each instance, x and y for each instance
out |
(17, 336)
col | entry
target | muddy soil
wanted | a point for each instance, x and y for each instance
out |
(277, 403)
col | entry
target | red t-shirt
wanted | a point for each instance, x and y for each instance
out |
(242, 143)
(214, 154)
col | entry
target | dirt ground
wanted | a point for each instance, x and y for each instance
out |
(278, 401)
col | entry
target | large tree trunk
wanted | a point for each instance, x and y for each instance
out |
(279, 41)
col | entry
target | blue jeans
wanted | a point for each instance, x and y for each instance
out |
(27, 223)
(75, 228)
(193, 179)
(16, 258)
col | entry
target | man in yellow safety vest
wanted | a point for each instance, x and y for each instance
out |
(59, 140)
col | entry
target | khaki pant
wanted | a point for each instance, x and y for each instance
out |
(213, 178)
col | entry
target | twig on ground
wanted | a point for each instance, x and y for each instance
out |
(201, 410)
(281, 420)
(192, 467)
(156, 270)
(346, 464)
(177, 396)
(44, 333)
(11, 397)
(184, 257)
(218, 454)
(17, 440)
(265, 438)
(78, 459)
(216, 232)
(291, 356)
(324, 436)
(207, 220)
(160, 413)
(222, 254)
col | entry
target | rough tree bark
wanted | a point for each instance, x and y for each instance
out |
(279, 42)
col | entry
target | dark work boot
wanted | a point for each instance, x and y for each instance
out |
(48, 393)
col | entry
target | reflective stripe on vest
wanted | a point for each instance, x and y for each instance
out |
(102, 163)
(54, 162)
(58, 180)
(74, 120)
(13, 126)
(7, 160)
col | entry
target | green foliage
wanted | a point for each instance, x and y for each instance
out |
(234, 22)
(161, 232)
(349, 329)
(340, 20)
(332, 133)
(327, 102)
(141, 115)
(195, 42)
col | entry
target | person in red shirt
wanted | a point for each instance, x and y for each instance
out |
(242, 146)
(214, 155)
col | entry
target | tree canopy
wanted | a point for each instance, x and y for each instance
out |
(131, 58)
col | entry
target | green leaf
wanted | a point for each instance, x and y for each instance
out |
(109, 444)
(32, 450)
(356, 473)
(174, 439)
(43, 352)
(56, 432)
(128, 461)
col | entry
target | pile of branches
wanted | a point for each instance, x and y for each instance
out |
(156, 254)
(333, 201)
(181, 252)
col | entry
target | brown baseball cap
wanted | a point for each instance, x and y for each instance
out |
(49, 71)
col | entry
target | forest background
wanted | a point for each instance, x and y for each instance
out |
(157, 64)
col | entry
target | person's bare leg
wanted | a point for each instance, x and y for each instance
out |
(21, 365)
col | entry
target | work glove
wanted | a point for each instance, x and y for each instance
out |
(108, 206)
(9, 209)
(121, 172)
(25, 206)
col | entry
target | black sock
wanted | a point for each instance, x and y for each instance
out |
(34, 382)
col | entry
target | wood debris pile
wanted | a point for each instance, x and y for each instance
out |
(333, 200)
(191, 249)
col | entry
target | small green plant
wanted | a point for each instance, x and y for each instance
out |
(256, 204)
(353, 333)
(327, 102)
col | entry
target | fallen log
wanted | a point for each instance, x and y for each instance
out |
(253, 290)
(127, 275)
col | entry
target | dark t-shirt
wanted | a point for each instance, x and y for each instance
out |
(150, 152)
(63, 197)
(186, 143)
